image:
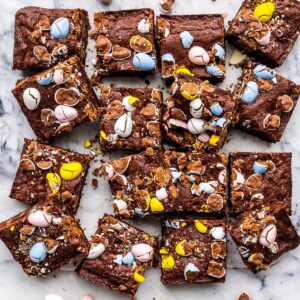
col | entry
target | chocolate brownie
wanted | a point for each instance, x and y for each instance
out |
(267, 101)
(44, 238)
(193, 251)
(58, 99)
(46, 172)
(266, 30)
(119, 256)
(130, 118)
(154, 182)
(263, 235)
(44, 36)
(125, 42)
(192, 44)
(198, 114)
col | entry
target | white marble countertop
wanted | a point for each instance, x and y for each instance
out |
(280, 282)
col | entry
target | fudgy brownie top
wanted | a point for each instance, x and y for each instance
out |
(45, 36)
(119, 256)
(193, 251)
(167, 181)
(130, 118)
(47, 172)
(44, 238)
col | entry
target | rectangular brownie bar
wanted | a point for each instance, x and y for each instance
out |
(119, 256)
(58, 99)
(198, 114)
(194, 43)
(44, 238)
(262, 235)
(267, 30)
(125, 42)
(44, 36)
(267, 101)
(47, 172)
(130, 118)
(193, 251)
(154, 182)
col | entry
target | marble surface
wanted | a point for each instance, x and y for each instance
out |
(280, 282)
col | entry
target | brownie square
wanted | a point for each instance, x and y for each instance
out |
(198, 114)
(258, 179)
(44, 238)
(267, 101)
(130, 118)
(58, 99)
(154, 182)
(193, 42)
(44, 36)
(125, 42)
(119, 256)
(193, 251)
(266, 30)
(46, 172)
(263, 235)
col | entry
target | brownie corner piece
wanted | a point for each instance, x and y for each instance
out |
(47, 172)
(119, 256)
(44, 238)
(262, 235)
(258, 179)
(266, 30)
(183, 43)
(130, 118)
(44, 36)
(125, 42)
(267, 101)
(193, 251)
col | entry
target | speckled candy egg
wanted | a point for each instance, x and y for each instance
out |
(186, 39)
(250, 93)
(196, 126)
(143, 62)
(38, 252)
(216, 109)
(263, 72)
(219, 51)
(196, 108)
(214, 70)
(31, 98)
(264, 11)
(65, 113)
(39, 218)
(259, 168)
(268, 235)
(123, 126)
(60, 28)
(45, 80)
(142, 252)
(198, 56)
(71, 170)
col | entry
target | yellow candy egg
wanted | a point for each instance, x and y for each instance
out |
(168, 262)
(103, 135)
(214, 139)
(87, 144)
(70, 171)
(54, 181)
(184, 71)
(179, 248)
(200, 227)
(189, 90)
(133, 100)
(163, 251)
(138, 277)
(156, 205)
(264, 11)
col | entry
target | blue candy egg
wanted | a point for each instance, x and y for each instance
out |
(250, 93)
(186, 39)
(259, 168)
(38, 252)
(214, 70)
(118, 259)
(138, 211)
(220, 122)
(60, 28)
(143, 62)
(45, 80)
(263, 72)
(128, 259)
(216, 109)
(219, 51)
(168, 57)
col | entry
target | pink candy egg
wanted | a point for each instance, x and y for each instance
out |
(65, 113)
(58, 77)
(39, 218)
(142, 252)
(264, 40)
(268, 235)
(198, 56)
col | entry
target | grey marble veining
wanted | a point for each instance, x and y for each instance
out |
(280, 282)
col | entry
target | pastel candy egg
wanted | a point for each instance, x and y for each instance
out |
(70, 171)
(214, 70)
(144, 26)
(214, 139)
(87, 297)
(53, 297)
(189, 90)
(138, 277)
(168, 262)
(161, 193)
(123, 126)
(39, 218)
(196, 126)
(156, 205)
(264, 11)
(54, 182)
(58, 76)
(259, 168)
(168, 57)
(128, 259)
(45, 80)
(143, 62)
(184, 70)
(142, 252)
(219, 51)
(218, 233)
(118, 259)
(31, 98)
(180, 249)
(65, 113)
(250, 93)
(60, 28)
(121, 206)
(263, 72)
(186, 39)
(96, 250)
(130, 103)
(207, 187)
(220, 122)
(38, 252)
(268, 235)
(196, 108)
(198, 56)
(190, 268)
(200, 226)
(216, 109)
(264, 40)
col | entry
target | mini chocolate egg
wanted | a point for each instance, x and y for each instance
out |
(156, 206)
(214, 70)
(161, 193)
(138, 277)
(143, 62)
(65, 113)
(54, 182)
(208, 187)
(190, 271)
(45, 79)
(38, 252)
(268, 235)
(108, 171)
(39, 218)
(168, 57)
(263, 72)
(190, 90)
(196, 126)
(118, 260)
(60, 28)
(216, 109)
(200, 226)
(96, 250)
(58, 76)
(220, 122)
(168, 262)
(196, 108)
(144, 26)
(264, 11)
(70, 171)
(121, 206)
(123, 126)
(259, 168)
(142, 252)
(186, 39)
(31, 98)
(130, 103)
(128, 259)
(250, 93)
(218, 233)
(265, 39)
(218, 51)
(198, 56)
